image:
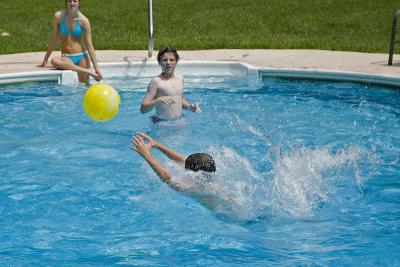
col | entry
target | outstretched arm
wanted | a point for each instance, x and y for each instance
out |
(144, 150)
(164, 149)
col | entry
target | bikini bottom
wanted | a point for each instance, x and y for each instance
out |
(76, 58)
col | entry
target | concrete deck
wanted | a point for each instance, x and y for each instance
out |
(369, 63)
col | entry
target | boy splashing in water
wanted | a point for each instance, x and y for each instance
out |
(143, 144)
(199, 179)
(165, 91)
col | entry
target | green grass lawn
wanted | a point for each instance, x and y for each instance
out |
(351, 25)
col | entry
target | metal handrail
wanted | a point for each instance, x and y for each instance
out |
(151, 32)
(393, 40)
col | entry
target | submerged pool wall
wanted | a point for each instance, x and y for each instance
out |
(200, 68)
(342, 76)
(138, 69)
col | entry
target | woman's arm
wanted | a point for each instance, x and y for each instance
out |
(54, 39)
(89, 45)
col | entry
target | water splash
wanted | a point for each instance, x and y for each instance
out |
(298, 185)
(303, 180)
(232, 191)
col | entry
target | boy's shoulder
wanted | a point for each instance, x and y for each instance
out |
(155, 80)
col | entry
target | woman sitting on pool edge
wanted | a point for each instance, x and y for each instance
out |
(165, 91)
(70, 26)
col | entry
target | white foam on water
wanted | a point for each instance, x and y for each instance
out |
(299, 183)
(306, 178)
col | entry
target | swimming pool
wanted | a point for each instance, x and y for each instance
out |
(313, 168)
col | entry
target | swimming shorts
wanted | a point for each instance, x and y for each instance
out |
(180, 120)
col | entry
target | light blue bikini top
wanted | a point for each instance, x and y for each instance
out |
(76, 32)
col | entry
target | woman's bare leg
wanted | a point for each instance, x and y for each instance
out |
(64, 63)
(83, 76)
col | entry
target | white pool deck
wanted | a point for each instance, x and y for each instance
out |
(374, 64)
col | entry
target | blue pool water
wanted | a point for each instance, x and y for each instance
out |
(312, 170)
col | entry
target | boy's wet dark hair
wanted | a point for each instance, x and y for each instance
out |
(168, 49)
(200, 161)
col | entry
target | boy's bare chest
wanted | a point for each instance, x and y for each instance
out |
(170, 88)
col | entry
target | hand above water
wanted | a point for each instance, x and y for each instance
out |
(99, 74)
(140, 146)
(151, 141)
(195, 108)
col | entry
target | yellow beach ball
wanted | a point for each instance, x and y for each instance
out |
(101, 102)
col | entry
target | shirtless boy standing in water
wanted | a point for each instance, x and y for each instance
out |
(165, 91)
